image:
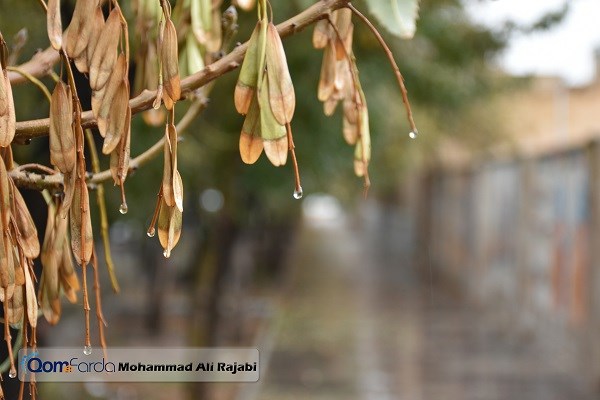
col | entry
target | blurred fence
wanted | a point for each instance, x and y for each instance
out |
(523, 234)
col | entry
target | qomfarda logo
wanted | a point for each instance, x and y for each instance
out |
(34, 364)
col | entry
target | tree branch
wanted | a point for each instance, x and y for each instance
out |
(39, 65)
(36, 128)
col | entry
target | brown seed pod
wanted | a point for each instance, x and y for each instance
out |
(79, 31)
(170, 62)
(245, 89)
(170, 164)
(62, 140)
(251, 143)
(321, 34)
(119, 158)
(281, 89)
(117, 119)
(327, 78)
(54, 24)
(105, 54)
(16, 306)
(274, 135)
(81, 242)
(169, 227)
(102, 100)
(27, 238)
(32, 304)
(8, 119)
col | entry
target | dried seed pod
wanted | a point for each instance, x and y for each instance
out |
(281, 89)
(119, 158)
(321, 34)
(178, 190)
(170, 62)
(27, 238)
(54, 24)
(274, 135)
(169, 227)
(32, 305)
(105, 54)
(170, 164)
(16, 306)
(251, 143)
(117, 119)
(5, 198)
(79, 30)
(362, 151)
(327, 78)
(8, 119)
(81, 242)
(7, 268)
(68, 277)
(245, 88)
(62, 140)
(103, 100)
(97, 28)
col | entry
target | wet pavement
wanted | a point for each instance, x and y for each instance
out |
(355, 322)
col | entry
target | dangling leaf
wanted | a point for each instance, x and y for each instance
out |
(397, 16)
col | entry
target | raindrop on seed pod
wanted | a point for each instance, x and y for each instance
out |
(167, 253)
(413, 134)
(87, 350)
(12, 373)
(151, 232)
(123, 209)
(298, 193)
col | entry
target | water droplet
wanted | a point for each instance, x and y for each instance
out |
(298, 193)
(167, 253)
(151, 232)
(87, 350)
(413, 134)
(123, 209)
(12, 373)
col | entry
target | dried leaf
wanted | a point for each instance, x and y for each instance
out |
(117, 119)
(251, 144)
(80, 28)
(54, 24)
(170, 62)
(8, 119)
(105, 54)
(62, 140)
(81, 243)
(247, 80)
(281, 90)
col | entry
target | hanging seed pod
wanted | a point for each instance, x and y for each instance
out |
(178, 190)
(8, 119)
(81, 242)
(282, 98)
(274, 135)
(62, 141)
(32, 304)
(82, 62)
(103, 99)
(79, 31)
(16, 306)
(251, 143)
(321, 34)
(362, 151)
(119, 158)
(170, 164)
(327, 78)
(170, 62)
(27, 238)
(54, 24)
(117, 119)
(68, 277)
(169, 227)
(105, 53)
(245, 88)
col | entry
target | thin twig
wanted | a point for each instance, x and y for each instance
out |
(103, 214)
(32, 79)
(390, 58)
(99, 313)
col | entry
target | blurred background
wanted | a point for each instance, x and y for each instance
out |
(470, 270)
